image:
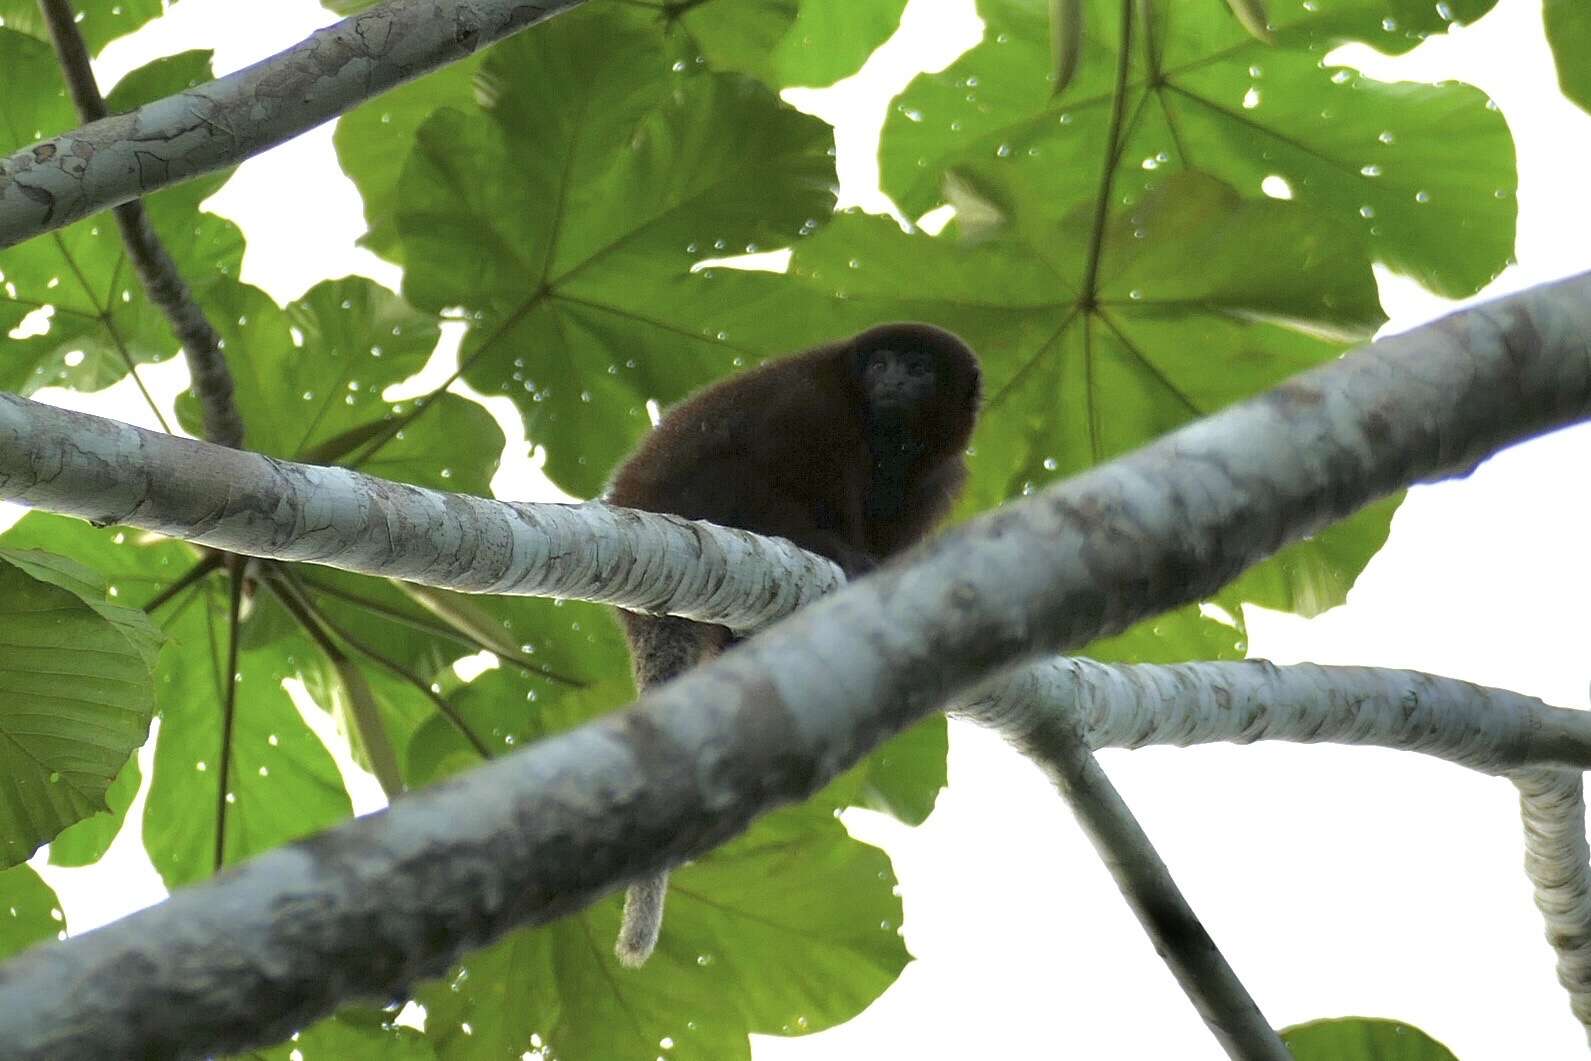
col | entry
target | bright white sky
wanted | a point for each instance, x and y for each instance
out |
(1337, 881)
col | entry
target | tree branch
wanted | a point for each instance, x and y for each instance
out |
(1054, 741)
(1494, 731)
(1430, 402)
(212, 381)
(219, 124)
(365, 909)
(245, 503)
(1552, 804)
(1056, 710)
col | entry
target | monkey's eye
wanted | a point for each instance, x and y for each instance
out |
(919, 366)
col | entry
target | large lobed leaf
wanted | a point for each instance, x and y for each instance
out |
(763, 902)
(781, 42)
(1423, 173)
(1204, 298)
(310, 380)
(565, 213)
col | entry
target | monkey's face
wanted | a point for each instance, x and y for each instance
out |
(898, 381)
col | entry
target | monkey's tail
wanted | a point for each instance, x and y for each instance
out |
(643, 920)
(662, 648)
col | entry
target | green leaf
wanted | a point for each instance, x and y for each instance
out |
(1362, 1039)
(1178, 636)
(381, 618)
(1205, 298)
(1424, 174)
(785, 42)
(310, 380)
(160, 78)
(75, 702)
(757, 901)
(571, 667)
(99, 21)
(1569, 33)
(89, 587)
(283, 781)
(1310, 576)
(71, 299)
(577, 271)
(764, 901)
(132, 565)
(351, 1035)
(87, 841)
(29, 911)
(903, 778)
(370, 137)
(231, 783)
(1390, 26)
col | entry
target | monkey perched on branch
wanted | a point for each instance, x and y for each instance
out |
(852, 450)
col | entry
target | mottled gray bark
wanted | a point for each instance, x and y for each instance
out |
(219, 124)
(1494, 731)
(1558, 861)
(368, 907)
(109, 472)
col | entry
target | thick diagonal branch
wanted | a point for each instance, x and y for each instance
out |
(219, 124)
(212, 381)
(1427, 403)
(365, 909)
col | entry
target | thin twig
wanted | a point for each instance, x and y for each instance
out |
(437, 628)
(363, 712)
(229, 706)
(206, 564)
(1054, 741)
(443, 706)
(211, 379)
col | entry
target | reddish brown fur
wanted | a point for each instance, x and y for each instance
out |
(783, 450)
(790, 449)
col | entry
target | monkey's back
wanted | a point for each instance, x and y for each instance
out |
(777, 450)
